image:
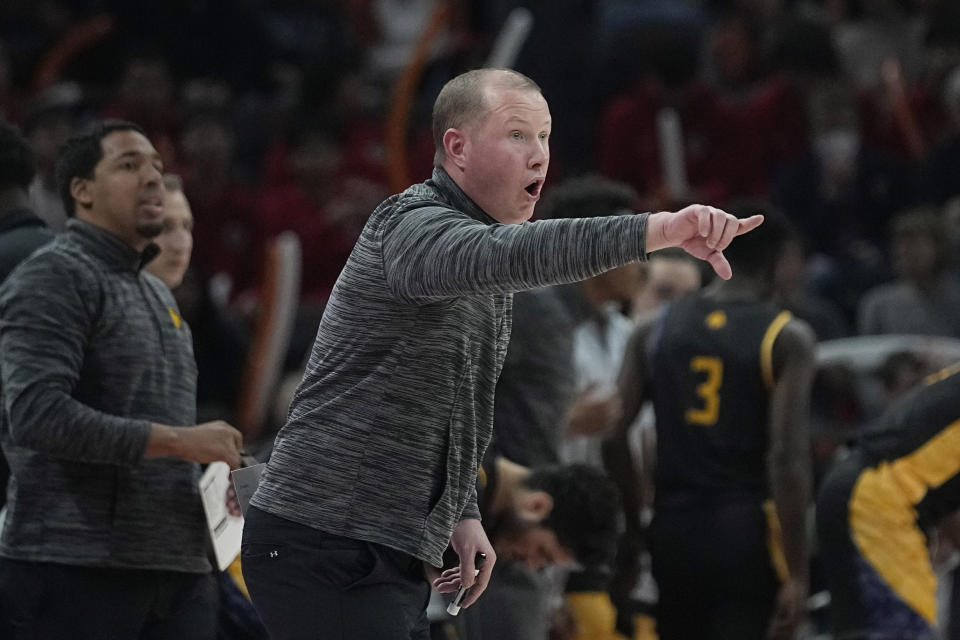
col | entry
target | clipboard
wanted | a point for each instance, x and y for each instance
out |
(226, 530)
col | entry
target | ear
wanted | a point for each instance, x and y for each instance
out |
(80, 190)
(455, 146)
(536, 505)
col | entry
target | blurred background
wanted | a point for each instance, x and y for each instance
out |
(298, 115)
(290, 120)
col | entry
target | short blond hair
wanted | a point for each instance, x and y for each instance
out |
(463, 100)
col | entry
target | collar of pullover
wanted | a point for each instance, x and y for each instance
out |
(109, 248)
(442, 181)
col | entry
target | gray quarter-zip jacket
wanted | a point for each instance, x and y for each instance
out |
(395, 410)
(92, 350)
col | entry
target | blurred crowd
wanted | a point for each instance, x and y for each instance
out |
(292, 115)
(302, 116)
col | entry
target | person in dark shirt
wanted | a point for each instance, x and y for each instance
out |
(21, 231)
(902, 476)
(537, 384)
(729, 375)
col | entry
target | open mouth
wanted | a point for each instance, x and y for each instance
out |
(534, 188)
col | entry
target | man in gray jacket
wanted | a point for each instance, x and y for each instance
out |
(374, 472)
(104, 535)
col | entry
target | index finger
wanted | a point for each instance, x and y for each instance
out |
(749, 224)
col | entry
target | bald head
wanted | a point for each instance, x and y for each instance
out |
(462, 101)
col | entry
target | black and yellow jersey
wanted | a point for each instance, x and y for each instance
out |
(903, 473)
(711, 370)
(915, 419)
(923, 428)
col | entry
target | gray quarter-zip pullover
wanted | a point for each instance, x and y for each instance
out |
(92, 350)
(390, 423)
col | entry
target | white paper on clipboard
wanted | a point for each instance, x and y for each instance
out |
(226, 531)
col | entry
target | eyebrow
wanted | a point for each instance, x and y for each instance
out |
(136, 154)
(528, 122)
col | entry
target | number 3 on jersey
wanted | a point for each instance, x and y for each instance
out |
(708, 391)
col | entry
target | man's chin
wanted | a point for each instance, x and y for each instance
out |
(150, 230)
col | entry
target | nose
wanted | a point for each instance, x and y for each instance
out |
(540, 157)
(152, 175)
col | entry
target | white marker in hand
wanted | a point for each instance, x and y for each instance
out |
(454, 607)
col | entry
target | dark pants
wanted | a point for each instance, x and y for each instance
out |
(714, 572)
(307, 584)
(44, 600)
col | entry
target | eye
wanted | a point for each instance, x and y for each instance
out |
(544, 136)
(129, 165)
(516, 135)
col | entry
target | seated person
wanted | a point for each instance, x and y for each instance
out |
(536, 518)
(901, 477)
